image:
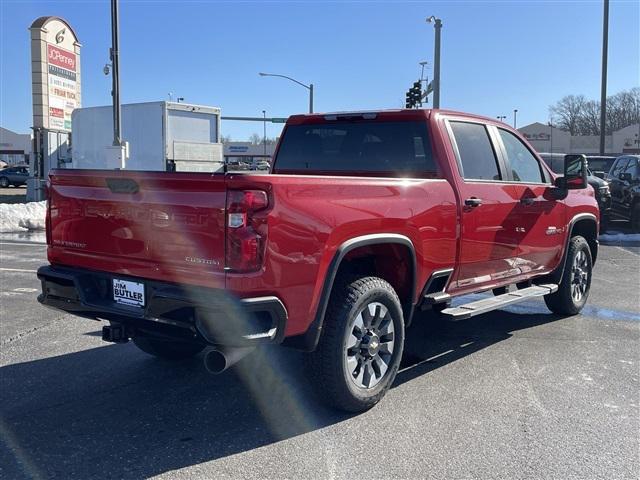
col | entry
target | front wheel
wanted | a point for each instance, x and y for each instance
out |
(361, 344)
(573, 291)
(4, 182)
(635, 218)
(167, 349)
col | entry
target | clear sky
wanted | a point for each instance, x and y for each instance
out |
(496, 56)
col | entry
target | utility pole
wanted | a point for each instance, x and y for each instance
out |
(515, 118)
(115, 74)
(264, 132)
(603, 84)
(311, 98)
(436, 60)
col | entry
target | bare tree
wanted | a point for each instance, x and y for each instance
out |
(225, 138)
(580, 116)
(255, 139)
(568, 111)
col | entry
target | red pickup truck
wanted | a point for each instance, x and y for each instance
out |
(366, 218)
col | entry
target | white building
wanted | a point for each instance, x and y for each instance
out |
(550, 139)
(15, 148)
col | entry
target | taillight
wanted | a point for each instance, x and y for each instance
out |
(246, 229)
(47, 217)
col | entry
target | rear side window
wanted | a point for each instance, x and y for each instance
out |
(524, 166)
(389, 148)
(477, 158)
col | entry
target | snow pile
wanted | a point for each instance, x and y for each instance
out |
(20, 217)
(613, 237)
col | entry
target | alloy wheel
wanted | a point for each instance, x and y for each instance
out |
(579, 276)
(369, 345)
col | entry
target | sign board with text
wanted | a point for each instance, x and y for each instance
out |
(55, 69)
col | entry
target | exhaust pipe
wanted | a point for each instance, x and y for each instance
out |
(217, 361)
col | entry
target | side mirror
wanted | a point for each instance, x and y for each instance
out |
(625, 177)
(599, 174)
(575, 172)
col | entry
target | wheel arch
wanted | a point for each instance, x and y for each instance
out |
(585, 225)
(359, 252)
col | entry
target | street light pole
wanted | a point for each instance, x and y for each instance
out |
(515, 118)
(603, 85)
(308, 87)
(115, 75)
(436, 61)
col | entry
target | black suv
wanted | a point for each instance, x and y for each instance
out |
(555, 161)
(624, 181)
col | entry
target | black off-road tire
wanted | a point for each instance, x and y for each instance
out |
(166, 349)
(327, 364)
(635, 218)
(564, 301)
(605, 222)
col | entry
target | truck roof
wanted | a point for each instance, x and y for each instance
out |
(383, 114)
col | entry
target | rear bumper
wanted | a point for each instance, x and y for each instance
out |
(189, 313)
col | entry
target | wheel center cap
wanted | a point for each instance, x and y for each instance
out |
(371, 344)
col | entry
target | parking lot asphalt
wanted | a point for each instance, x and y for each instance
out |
(518, 393)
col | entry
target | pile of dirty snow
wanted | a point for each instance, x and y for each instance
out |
(613, 237)
(20, 217)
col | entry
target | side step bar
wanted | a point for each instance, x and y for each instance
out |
(485, 305)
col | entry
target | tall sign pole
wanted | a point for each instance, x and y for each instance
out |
(115, 75)
(56, 92)
(603, 85)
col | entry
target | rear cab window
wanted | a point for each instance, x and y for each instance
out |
(383, 148)
(477, 159)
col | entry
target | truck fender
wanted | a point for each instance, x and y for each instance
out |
(309, 340)
(557, 274)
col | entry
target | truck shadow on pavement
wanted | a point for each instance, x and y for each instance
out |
(112, 411)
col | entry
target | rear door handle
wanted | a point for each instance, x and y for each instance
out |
(527, 201)
(473, 202)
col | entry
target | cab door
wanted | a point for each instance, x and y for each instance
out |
(487, 241)
(536, 218)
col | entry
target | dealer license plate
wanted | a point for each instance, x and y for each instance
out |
(128, 293)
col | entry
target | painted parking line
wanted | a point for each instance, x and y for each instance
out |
(17, 270)
(23, 244)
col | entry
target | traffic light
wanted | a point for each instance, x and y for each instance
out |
(414, 95)
(409, 102)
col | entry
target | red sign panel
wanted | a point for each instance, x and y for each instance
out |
(56, 112)
(61, 58)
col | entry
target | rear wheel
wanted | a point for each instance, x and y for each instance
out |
(4, 182)
(167, 349)
(361, 344)
(573, 291)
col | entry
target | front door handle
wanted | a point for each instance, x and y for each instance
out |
(473, 202)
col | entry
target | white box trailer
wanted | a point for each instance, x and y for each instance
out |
(161, 136)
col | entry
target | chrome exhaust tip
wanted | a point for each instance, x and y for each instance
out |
(218, 360)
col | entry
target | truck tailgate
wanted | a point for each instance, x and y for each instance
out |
(156, 225)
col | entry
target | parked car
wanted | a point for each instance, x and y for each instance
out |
(16, 176)
(624, 178)
(601, 187)
(600, 164)
(366, 218)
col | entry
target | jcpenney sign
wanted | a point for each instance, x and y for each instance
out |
(61, 58)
